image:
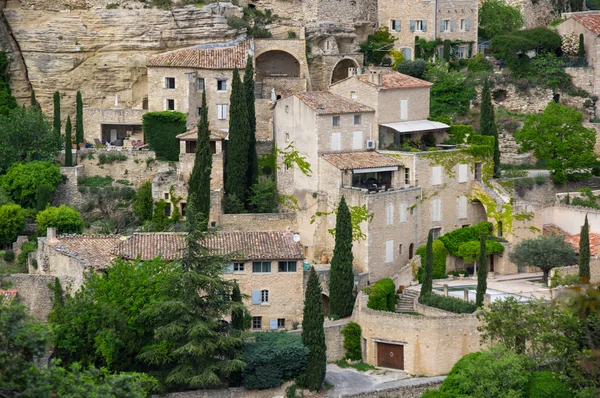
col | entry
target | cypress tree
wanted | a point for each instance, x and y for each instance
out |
(250, 100)
(447, 50)
(56, 121)
(341, 280)
(581, 49)
(68, 146)
(34, 102)
(237, 314)
(482, 272)
(584, 252)
(236, 169)
(79, 120)
(487, 123)
(313, 335)
(427, 285)
(199, 183)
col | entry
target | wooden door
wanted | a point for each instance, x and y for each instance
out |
(390, 356)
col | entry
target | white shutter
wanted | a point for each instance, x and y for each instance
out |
(436, 175)
(463, 173)
(389, 212)
(462, 207)
(220, 112)
(256, 297)
(403, 208)
(357, 140)
(389, 251)
(336, 141)
(403, 109)
(273, 324)
(436, 210)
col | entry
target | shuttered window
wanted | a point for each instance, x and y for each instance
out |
(336, 141)
(222, 110)
(256, 297)
(273, 324)
(462, 207)
(436, 210)
(389, 213)
(463, 173)
(403, 208)
(403, 109)
(357, 140)
(436, 175)
(389, 251)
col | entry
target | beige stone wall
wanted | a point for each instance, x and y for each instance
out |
(34, 292)
(136, 168)
(258, 222)
(70, 270)
(457, 10)
(345, 11)
(295, 47)
(264, 119)
(186, 164)
(325, 128)
(67, 191)
(571, 218)
(93, 118)
(419, 10)
(322, 64)
(284, 86)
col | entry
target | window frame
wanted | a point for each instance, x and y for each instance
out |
(241, 267)
(357, 117)
(262, 263)
(418, 25)
(287, 266)
(353, 95)
(280, 323)
(224, 111)
(198, 80)
(167, 104)
(167, 81)
(436, 232)
(395, 23)
(336, 121)
(221, 81)
(257, 320)
(264, 296)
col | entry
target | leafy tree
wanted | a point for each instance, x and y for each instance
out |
(341, 279)
(236, 169)
(558, 138)
(143, 203)
(159, 218)
(498, 18)
(109, 207)
(68, 146)
(34, 103)
(79, 120)
(26, 136)
(12, 223)
(43, 196)
(56, 119)
(427, 285)
(378, 45)
(487, 123)
(7, 101)
(547, 385)
(263, 196)
(250, 102)
(22, 179)
(414, 68)
(584, 252)
(482, 272)
(65, 219)
(451, 94)
(313, 335)
(199, 183)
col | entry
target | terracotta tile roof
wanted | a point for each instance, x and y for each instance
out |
(192, 135)
(360, 160)
(9, 294)
(328, 103)
(590, 21)
(392, 80)
(92, 250)
(204, 57)
(594, 242)
(266, 245)
(553, 229)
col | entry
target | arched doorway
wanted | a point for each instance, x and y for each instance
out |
(325, 299)
(276, 63)
(340, 70)
(410, 251)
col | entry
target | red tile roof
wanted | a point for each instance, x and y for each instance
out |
(9, 294)
(594, 242)
(360, 160)
(590, 21)
(92, 250)
(204, 57)
(328, 103)
(392, 80)
(192, 135)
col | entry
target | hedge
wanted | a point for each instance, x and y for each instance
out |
(439, 260)
(382, 295)
(160, 131)
(469, 251)
(273, 359)
(547, 385)
(459, 132)
(451, 304)
(351, 333)
(453, 240)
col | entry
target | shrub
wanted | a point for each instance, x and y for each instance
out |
(414, 68)
(547, 385)
(9, 256)
(12, 223)
(26, 248)
(567, 280)
(540, 180)
(524, 183)
(459, 132)
(21, 181)
(439, 260)
(451, 304)
(143, 202)
(382, 295)
(95, 181)
(478, 63)
(469, 251)
(351, 333)
(104, 158)
(453, 240)
(161, 129)
(65, 219)
(273, 359)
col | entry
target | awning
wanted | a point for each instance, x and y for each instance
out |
(375, 170)
(415, 126)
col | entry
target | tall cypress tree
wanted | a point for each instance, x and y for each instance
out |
(34, 101)
(581, 49)
(250, 102)
(313, 335)
(584, 252)
(79, 120)
(237, 314)
(487, 123)
(68, 152)
(482, 272)
(236, 170)
(56, 121)
(427, 285)
(341, 280)
(199, 183)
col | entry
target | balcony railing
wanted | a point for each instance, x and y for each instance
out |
(384, 189)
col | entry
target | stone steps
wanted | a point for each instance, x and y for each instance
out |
(406, 301)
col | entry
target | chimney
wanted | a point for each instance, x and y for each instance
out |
(351, 72)
(51, 236)
(375, 77)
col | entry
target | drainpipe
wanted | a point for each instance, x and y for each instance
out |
(435, 10)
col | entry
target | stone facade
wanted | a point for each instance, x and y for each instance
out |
(139, 167)
(258, 222)
(95, 118)
(34, 292)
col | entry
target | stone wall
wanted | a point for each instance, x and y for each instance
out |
(264, 119)
(258, 222)
(93, 118)
(137, 168)
(67, 191)
(322, 66)
(412, 388)
(334, 339)
(34, 293)
(284, 86)
(571, 218)
(536, 14)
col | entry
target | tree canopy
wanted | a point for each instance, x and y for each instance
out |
(12, 223)
(65, 219)
(341, 281)
(498, 18)
(22, 180)
(378, 45)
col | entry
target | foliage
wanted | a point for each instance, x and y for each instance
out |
(439, 260)
(68, 145)
(250, 103)
(109, 206)
(482, 272)
(584, 252)
(273, 359)
(382, 295)
(459, 132)
(313, 335)
(487, 123)
(470, 251)
(26, 136)
(414, 68)
(448, 303)
(292, 158)
(581, 47)
(358, 215)
(263, 196)
(65, 219)
(9, 256)
(240, 318)
(451, 94)
(79, 120)
(454, 239)
(26, 248)
(547, 385)
(22, 180)
(199, 182)
(378, 45)
(567, 280)
(352, 335)
(427, 283)
(56, 123)
(497, 18)
(548, 70)
(341, 280)
(558, 138)
(254, 21)
(479, 63)
(425, 49)
(160, 131)
(12, 223)
(7, 101)
(143, 203)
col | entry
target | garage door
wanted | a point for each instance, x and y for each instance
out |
(390, 355)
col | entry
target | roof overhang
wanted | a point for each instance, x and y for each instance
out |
(121, 123)
(415, 126)
(375, 170)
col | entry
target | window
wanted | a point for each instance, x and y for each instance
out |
(436, 232)
(264, 296)
(357, 140)
(336, 120)
(389, 251)
(168, 210)
(170, 83)
(336, 141)
(170, 105)
(403, 109)
(353, 95)
(200, 84)
(257, 322)
(287, 109)
(463, 25)
(356, 119)
(436, 210)
(261, 266)
(478, 171)
(280, 323)
(419, 25)
(221, 84)
(445, 25)
(436, 175)
(407, 53)
(198, 111)
(407, 176)
(166, 196)
(395, 25)
(183, 207)
(389, 213)
(228, 269)
(327, 44)
(222, 110)
(403, 208)
(287, 266)
(462, 207)
(287, 137)
(463, 175)
(400, 248)
(238, 267)
(411, 248)
(460, 52)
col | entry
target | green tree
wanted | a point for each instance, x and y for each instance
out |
(352, 335)
(236, 169)
(558, 138)
(43, 196)
(498, 18)
(56, 119)
(414, 68)
(34, 103)
(482, 272)
(65, 219)
(12, 223)
(7, 101)
(313, 335)
(22, 179)
(451, 93)
(341, 279)
(581, 49)
(544, 252)
(487, 123)
(68, 146)
(378, 45)
(250, 102)
(584, 252)
(199, 183)
(427, 285)
(143, 203)
(79, 120)
(239, 317)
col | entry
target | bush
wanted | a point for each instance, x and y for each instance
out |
(567, 280)
(95, 181)
(451, 304)
(547, 385)
(104, 158)
(273, 359)
(143, 202)
(26, 248)
(414, 68)
(161, 129)
(439, 260)
(382, 295)
(352, 333)
(453, 240)
(478, 63)
(459, 133)
(524, 183)
(21, 181)
(9, 256)
(12, 223)
(65, 219)
(540, 180)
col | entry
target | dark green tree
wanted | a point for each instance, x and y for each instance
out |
(79, 120)
(427, 285)
(313, 335)
(250, 101)
(238, 316)
(68, 146)
(584, 252)
(482, 272)
(34, 102)
(56, 121)
(143, 204)
(498, 18)
(581, 49)
(199, 184)
(377, 46)
(236, 169)
(341, 280)
(447, 50)
(487, 123)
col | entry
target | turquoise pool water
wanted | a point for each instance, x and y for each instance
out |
(458, 291)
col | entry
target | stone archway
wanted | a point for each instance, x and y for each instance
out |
(340, 70)
(277, 64)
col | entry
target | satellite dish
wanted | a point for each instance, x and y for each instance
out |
(296, 238)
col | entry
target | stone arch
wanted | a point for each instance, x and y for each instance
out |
(340, 70)
(276, 63)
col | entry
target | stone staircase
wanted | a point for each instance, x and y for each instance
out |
(406, 303)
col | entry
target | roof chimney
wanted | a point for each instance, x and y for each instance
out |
(375, 77)
(351, 72)
(51, 236)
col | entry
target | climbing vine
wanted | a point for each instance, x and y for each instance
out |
(358, 214)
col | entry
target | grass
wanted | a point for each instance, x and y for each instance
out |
(360, 366)
(504, 114)
(95, 181)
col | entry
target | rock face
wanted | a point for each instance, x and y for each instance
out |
(103, 52)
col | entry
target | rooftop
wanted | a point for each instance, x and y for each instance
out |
(192, 135)
(594, 242)
(9, 294)
(92, 250)
(590, 21)
(360, 160)
(213, 56)
(391, 79)
(328, 103)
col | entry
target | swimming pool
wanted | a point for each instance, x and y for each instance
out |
(458, 291)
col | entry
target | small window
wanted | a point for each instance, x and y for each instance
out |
(287, 109)
(238, 267)
(287, 266)
(419, 25)
(170, 104)
(463, 25)
(261, 266)
(200, 84)
(436, 232)
(222, 111)
(445, 25)
(400, 248)
(436, 210)
(183, 206)
(221, 84)
(166, 196)
(336, 141)
(170, 83)
(353, 95)
(356, 119)
(287, 137)
(198, 111)
(280, 323)
(389, 213)
(463, 171)
(336, 120)
(436, 175)
(327, 45)
(407, 176)
(257, 322)
(478, 171)
(389, 251)
(395, 25)
(264, 296)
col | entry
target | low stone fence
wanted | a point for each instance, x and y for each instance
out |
(134, 166)
(258, 222)
(412, 388)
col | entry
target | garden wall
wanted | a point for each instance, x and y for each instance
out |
(571, 218)
(34, 293)
(136, 168)
(258, 222)
(412, 388)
